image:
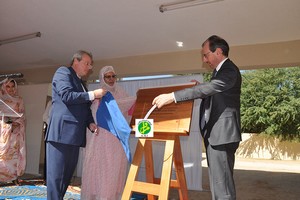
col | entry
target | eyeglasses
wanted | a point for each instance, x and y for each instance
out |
(205, 55)
(87, 64)
(109, 77)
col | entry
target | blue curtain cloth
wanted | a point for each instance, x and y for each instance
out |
(111, 118)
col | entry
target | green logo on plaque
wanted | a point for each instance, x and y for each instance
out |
(144, 127)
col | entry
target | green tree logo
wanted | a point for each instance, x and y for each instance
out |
(144, 127)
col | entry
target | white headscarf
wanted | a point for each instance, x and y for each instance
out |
(4, 95)
(117, 91)
(104, 85)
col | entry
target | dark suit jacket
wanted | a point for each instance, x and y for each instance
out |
(221, 100)
(71, 114)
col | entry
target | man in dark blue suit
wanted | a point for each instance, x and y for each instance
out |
(69, 118)
(219, 115)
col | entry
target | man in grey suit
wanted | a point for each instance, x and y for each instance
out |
(69, 118)
(219, 115)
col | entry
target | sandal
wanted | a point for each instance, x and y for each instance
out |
(16, 182)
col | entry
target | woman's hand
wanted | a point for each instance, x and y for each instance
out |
(93, 128)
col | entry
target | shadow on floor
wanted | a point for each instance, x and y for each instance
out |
(253, 185)
(250, 185)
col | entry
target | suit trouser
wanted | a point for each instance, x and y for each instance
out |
(220, 160)
(61, 163)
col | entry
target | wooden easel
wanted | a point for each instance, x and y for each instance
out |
(170, 122)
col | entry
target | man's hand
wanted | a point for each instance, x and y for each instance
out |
(163, 99)
(195, 81)
(99, 93)
(93, 128)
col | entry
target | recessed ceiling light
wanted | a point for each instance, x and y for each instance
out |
(179, 44)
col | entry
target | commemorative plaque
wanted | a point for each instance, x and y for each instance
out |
(174, 118)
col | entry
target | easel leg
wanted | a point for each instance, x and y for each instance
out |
(166, 170)
(134, 169)
(180, 175)
(149, 165)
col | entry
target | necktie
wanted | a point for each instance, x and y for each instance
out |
(83, 86)
(214, 73)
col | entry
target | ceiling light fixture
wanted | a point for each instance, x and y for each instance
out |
(184, 4)
(20, 38)
(179, 43)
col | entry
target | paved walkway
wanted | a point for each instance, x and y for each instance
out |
(263, 165)
(256, 179)
(268, 165)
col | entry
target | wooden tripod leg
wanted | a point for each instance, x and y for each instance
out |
(167, 169)
(134, 169)
(180, 175)
(149, 165)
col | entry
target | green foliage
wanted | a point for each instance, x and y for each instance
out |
(207, 76)
(270, 102)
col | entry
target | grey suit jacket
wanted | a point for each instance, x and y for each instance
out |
(221, 99)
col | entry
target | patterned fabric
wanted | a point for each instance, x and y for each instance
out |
(12, 136)
(31, 192)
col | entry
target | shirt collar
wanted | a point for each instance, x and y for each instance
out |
(220, 64)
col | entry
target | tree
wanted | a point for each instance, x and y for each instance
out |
(270, 102)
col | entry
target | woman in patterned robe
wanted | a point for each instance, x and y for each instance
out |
(12, 135)
(105, 163)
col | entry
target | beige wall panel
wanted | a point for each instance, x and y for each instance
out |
(282, 54)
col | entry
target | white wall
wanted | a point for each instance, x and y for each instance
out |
(34, 100)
